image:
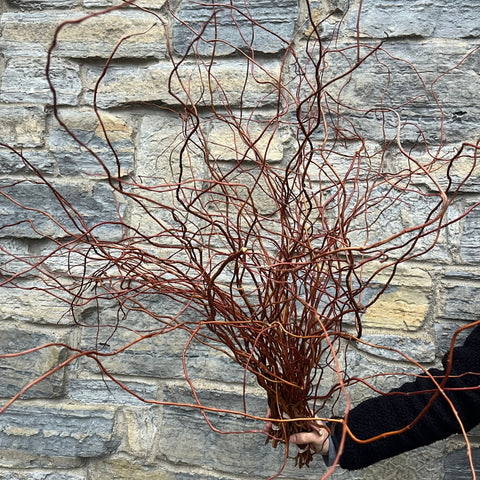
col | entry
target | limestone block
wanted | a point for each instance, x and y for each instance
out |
(44, 434)
(31, 34)
(462, 302)
(24, 80)
(22, 126)
(89, 391)
(377, 371)
(121, 468)
(17, 372)
(423, 463)
(154, 83)
(95, 202)
(28, 303)
(77, 474)
(398, 307)
(233, 29)
(153, 4)
(139, 430)
(162, 140)
(42, 4)
(12, 254)
(449, 171)
(74, 159)
(12, 162)
(404, 303)
(444, 334)
(457, 464)
(395, 212)
(417, 18)
(158, 356)
(470, 238)
(380, 82)
(228, 143)
(417, 349)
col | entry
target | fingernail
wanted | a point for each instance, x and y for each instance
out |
(293, 438)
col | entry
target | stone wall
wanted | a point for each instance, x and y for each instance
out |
(78, 425)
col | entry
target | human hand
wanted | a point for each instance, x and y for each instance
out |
(269, 426)
(317, 438)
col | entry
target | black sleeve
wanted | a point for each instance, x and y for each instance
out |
(401, 406)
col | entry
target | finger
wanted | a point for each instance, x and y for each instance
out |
(306, 437)
(267, 428)
(318, 440)
(268, 425)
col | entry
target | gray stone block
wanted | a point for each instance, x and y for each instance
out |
(236, 28)
(470, 239)
(68, 431)
(154, 83)
(94, 202)
(17, 372)
(30, 34)
(238, 453)
(88, 391)
(28, 303)
(444, 334)
(29, 475)
(457, 464)
(158, 356)
(151, 4)
(24, 81)
(22, 126)
(417, 349)
(42, 4)
(417, 18)
(427, 68)
(12, 162)
(74, 159)
(462, 302)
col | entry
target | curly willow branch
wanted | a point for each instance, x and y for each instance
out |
(273, 253)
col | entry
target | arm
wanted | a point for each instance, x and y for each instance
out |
(401, 406)
(398, 409)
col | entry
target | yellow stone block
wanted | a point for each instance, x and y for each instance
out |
(125, 469)
(405, 303)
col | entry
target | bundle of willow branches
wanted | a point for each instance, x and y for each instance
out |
(275, 251)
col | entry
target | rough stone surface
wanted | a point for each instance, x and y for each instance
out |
(470, 242)
(26, 475)
(153, 4)
(23, 126)
(42, 4)
(154, 84)
(80, 425)
(203, 445)
(88, 391)
(95, 202)
(277, 21)
(113, 150)
(14, 370)
(24, 81)
(69, 432)
(416, 349)
(160, 356)
(418, 18)
(15, 162)
(462, 302)
(457, 465)
(400, 305)
(124, 468)
(31, 33)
